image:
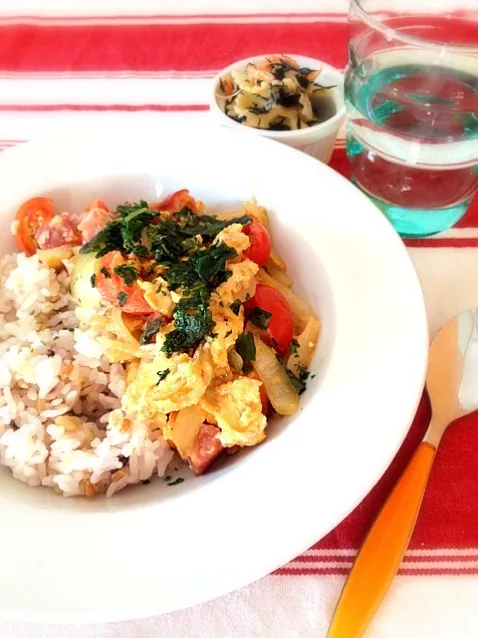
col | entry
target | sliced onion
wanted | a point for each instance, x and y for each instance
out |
(53, 257)
(235, 360)
(282, 394)
(307, 342)
(278, 274)
(259, 213)
(119, 327)
(80, 281)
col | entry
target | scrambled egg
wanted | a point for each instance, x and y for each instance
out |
(228, 327)
(240, 284)
(237, 410)
(158, 296)
(184, 384)
(234, 238)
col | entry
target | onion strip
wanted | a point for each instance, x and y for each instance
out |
(283, 396)
(306, 344)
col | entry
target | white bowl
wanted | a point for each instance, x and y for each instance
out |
(154, 549)
(317, 140)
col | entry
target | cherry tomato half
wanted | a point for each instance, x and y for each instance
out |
(31, 216)
(176, 201)
(95, 204)
(113, 287)
(280, 329)
(260, 247)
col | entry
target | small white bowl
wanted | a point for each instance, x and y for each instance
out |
(317, 140)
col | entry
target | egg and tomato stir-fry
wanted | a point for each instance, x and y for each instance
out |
(198, 307)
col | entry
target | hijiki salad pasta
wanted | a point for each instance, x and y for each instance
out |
(131, 335)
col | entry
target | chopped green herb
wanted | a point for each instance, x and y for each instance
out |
(104, 271)
(122, 299)
(211, 263)
(189, 244)
(260, 318)
(108, 239)
(93, 280)
(167, 478)
(135, 219)
(235, 306)
(246, 347)
(125, 209)
(228, 333)
(297, 381)
(150, 330)
(162, 374)
(192, 320)
(176, 482)
(127, 272)
(180, 275)
(294, 344)
(209, 226)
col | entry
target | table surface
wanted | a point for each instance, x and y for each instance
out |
(136, 64)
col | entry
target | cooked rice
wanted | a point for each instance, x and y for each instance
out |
(61, 424)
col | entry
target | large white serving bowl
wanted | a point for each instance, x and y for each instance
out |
(154, 549)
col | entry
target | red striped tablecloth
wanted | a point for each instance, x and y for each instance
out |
(92, 70)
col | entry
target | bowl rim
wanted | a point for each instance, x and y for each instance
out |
(311, 524)
(321, 129)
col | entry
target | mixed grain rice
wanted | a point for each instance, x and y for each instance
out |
(61, 424)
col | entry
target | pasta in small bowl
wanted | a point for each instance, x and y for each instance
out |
(291, 99)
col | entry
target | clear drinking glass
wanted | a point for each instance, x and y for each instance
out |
(411, 91)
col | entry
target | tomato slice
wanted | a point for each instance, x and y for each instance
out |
(113, 287)
(31, 216)
(260, 247)
(280, 328)
(176, 201)
(95, 204)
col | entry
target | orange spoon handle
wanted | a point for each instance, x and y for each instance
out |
(381, 554)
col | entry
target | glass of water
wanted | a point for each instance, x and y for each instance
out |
(411, 91)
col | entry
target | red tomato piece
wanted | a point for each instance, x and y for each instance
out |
(113, 287)
(206, 449)
(280, 328)
(31, 215)
(176, 201)
(97, 203)
(260, 247)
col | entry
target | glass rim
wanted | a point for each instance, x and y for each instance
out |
(377, 24)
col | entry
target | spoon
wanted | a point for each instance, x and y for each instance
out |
(452, 380)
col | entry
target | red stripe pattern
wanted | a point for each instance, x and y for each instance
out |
(182, 46)
(31, 48)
